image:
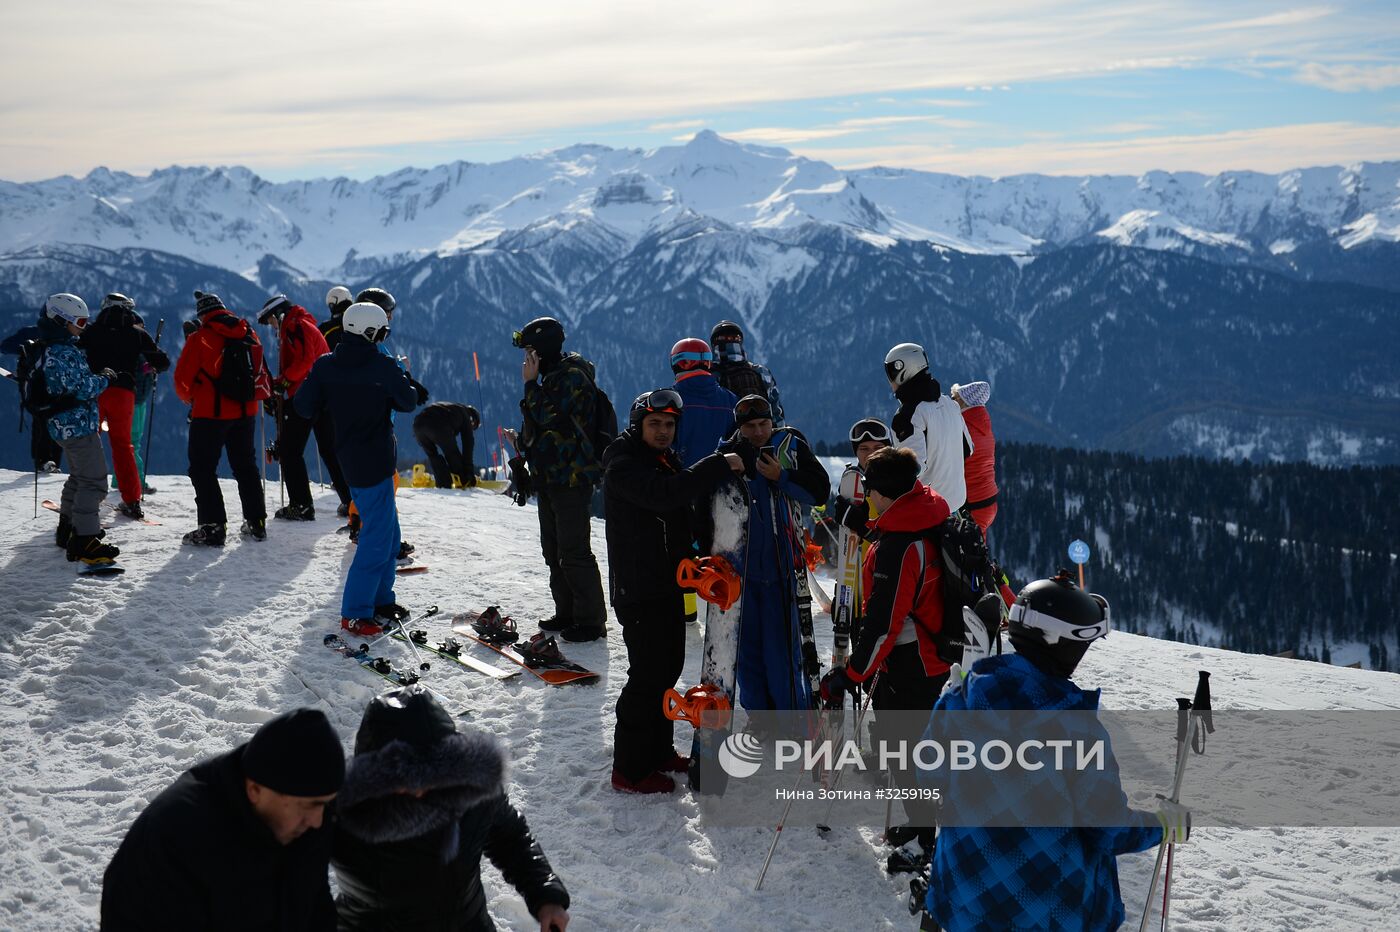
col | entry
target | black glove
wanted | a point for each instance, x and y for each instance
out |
(835, 685)
(853, 515)
(109, 374)
(271, 454)
(190, 326)
(270, 405)
(125, 380)
(422, 392)
(521, 488)
(159, 360)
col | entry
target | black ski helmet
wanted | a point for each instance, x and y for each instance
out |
(544, 335)
(727, 340)
(377, 296)
(1053, 622)
(657, 401)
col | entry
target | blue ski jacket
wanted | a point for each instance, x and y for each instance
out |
(66, 372)
(1054, 879)
(707, 419)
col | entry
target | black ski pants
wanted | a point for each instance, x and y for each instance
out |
(42, 447)
(209, 439)
(574, 580)
(325, 446)
(439, 441)
(291, 455)
(905, 688)
(654, 632)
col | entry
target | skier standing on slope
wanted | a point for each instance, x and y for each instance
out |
(902, 579)
(114, 341)
(337, 300)
(221, 374)
(781, 470)
(709, 406)
(360, 386)
(299, 345)
(928, 422)
(980, 468)
(73, 421)
(647, 498)
(734, 371)
(422, 803)
(27, 344)
(238, 841)
(1040, 877)
(437, 428)
(556, 439)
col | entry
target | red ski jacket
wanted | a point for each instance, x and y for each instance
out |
(299, 345)
(980, 468)
(202, 358)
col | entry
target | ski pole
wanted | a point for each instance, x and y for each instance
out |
(151, 414)
(861, 707)
(262, 442)
(277, 441)
(778, 832)
(1193, 723)
(480, 397)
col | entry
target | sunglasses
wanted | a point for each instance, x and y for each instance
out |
(661, 401)
(751, 407)
(869, 429)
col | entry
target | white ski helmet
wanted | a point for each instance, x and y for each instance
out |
(339, 297)
(68, 308)
(904, 362)
(366, 320)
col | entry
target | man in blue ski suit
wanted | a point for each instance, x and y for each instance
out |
(780, 470)
(1062, 878)
(361, 386)
(709, 406)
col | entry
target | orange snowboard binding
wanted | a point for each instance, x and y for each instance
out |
(712, 578)
(703, 706)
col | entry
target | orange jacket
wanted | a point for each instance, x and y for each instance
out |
(980, 469)
(200, 363)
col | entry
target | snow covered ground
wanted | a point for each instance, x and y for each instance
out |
(110, 688)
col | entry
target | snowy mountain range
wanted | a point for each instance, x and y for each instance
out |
(1161, 314)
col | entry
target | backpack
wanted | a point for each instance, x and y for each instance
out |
(236, 376)
(603, 430)
(972, 604)
(34, 394)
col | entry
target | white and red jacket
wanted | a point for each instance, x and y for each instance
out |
(903, 585)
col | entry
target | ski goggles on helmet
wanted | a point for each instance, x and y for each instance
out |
(752, 407)
(1053, 629)
(869, 429)
(691, 357)
(660, 401)
(517, 339)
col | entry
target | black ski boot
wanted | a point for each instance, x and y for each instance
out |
(554, 624)
(256, 529)
(342, 510)
(405, 551)
(64, 531)
(494, 628)
(391, 613)
(295, 513)
(131, 510)
(91, 550)
(207, 535)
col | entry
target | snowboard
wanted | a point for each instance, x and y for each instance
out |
(411, 569)
(101, 569)
(558, 674)
(729, 509)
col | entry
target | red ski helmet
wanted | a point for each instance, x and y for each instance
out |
(691, 353)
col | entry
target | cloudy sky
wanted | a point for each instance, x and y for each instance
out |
(311, 88)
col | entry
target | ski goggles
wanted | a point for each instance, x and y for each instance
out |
(660, 401)
(692, 357)
(751, 408)
(1054, 629)
(517, 339)
(870, 428)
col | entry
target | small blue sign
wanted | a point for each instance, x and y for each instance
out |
(1079, 552)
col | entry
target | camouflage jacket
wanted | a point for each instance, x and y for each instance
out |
(555, 437)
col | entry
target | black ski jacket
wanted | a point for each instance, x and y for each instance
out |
(112, 341)
(408, 863)
(647, 499)
(199, 857)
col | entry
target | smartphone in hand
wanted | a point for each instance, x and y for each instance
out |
(770, 452)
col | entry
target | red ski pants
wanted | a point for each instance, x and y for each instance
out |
(116, 406)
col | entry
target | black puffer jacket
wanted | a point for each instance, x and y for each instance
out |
(199, 857)
(647, 498)
(405, 862)
(112, 341)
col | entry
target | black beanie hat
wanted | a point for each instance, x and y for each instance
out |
(892, 472)
(296, 754)
(204, 303)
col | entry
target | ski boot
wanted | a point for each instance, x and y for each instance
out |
(63, 532)
(89, 549)
(256, 529)
(541, 651)
(655, 782)
(207, 535)
(905, 861)
(583, 633)
(405, 553)
(147, 489)
(494, 628)
(342, 510)
(295, 513)
(131, 510)
(897, 836)
(554, 624)
(390, 614)
(364, 627)
(676, 763)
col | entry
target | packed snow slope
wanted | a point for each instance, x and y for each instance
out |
(112, 687)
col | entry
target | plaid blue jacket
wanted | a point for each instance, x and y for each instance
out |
(1061, 879)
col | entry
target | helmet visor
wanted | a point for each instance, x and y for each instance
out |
(1053, 629)
(661, 401)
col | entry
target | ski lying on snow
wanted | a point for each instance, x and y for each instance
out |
(411, 569)
(113, 508)
(451, 649)
(555, 674)
(379, 665)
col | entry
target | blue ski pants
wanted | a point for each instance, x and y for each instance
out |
(370, 581)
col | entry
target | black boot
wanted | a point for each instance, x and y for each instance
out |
(90, 550)
(207, 535)
(64, 531)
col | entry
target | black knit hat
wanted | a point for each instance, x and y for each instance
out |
(296, 754)
(204, 303)
(892, 472)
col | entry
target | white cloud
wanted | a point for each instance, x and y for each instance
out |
(1286, 18)
(210, 81)
(1349, 77)
(678, 124)
(1271, 149)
